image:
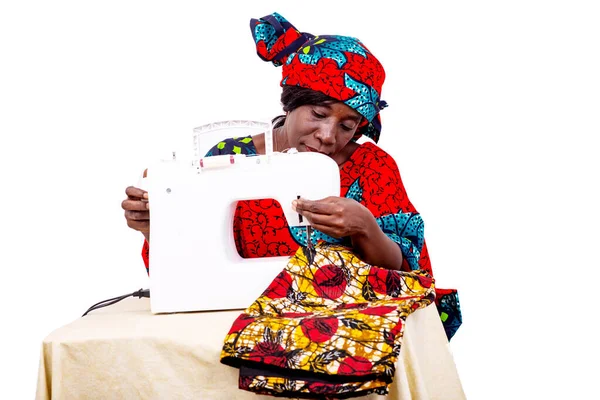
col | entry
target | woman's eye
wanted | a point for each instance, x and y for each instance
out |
(316, 114)
(346, 128)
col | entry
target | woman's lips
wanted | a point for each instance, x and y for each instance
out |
(308, 148)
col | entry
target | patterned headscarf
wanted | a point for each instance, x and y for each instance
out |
(339, 66)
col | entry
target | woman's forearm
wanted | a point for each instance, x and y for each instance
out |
(374, 247)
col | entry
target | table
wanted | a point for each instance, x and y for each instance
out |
(126, 352)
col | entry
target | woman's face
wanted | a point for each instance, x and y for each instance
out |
(325, 129)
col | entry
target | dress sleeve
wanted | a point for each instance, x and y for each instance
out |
(146, 255)
(378, 186)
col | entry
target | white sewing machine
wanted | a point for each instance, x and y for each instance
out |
(194, 264)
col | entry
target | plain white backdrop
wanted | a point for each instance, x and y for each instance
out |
(494, 111)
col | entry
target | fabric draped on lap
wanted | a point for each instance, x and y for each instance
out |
(329, 324)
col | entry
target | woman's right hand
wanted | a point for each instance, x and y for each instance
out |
(137, 212)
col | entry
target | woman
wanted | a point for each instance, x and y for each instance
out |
(331, 97)
(324, 114)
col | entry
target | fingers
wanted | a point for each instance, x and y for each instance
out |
(327, 212)
(135, 205)
(326, 215)
(138, 220)
(136, 208)
(335, 216)
(136, 200)
(327, 206)
(333, 231)
(136, 193)
(332, 225)
(137, 215)
(323, 219)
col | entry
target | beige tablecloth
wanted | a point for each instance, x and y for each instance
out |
(125, 352)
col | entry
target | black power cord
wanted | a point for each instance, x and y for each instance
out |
(139, 294)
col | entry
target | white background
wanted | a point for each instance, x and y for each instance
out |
(494, 108)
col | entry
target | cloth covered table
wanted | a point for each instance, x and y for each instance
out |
(125, 352)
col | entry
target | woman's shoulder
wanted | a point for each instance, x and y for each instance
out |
(375, 175)
(370, 153)
(234, 145)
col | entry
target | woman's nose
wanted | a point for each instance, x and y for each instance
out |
(326, 134)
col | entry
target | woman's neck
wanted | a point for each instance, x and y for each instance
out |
(279, 141)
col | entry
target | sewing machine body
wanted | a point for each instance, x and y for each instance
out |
(194, 264)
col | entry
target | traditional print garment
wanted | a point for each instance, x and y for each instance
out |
(328, 325)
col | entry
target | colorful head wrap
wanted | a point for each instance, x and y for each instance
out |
(339, 66)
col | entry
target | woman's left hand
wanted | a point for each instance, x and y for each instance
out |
(336, 216)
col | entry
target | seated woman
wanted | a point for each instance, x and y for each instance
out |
(331, 97)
